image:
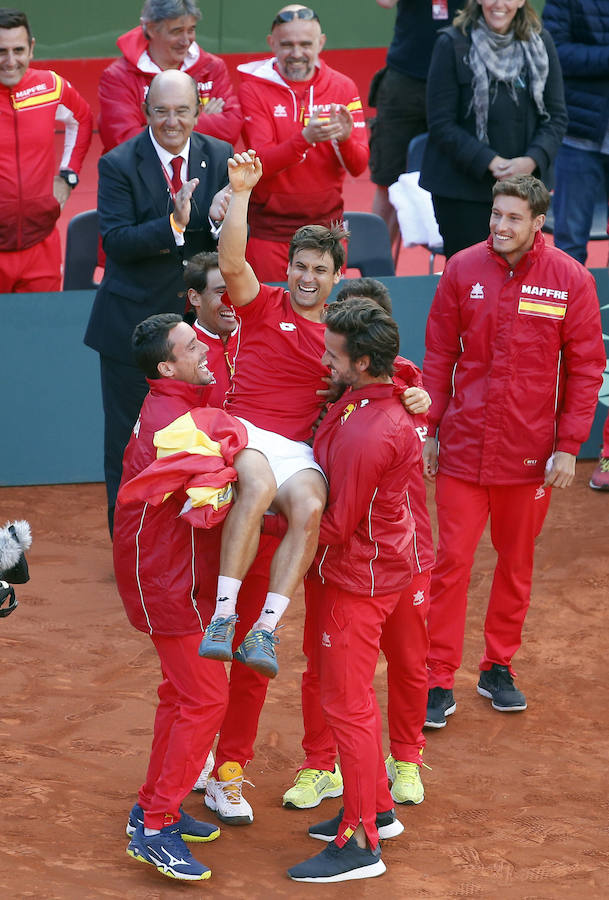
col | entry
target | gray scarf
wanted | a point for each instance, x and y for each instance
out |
(500, 57)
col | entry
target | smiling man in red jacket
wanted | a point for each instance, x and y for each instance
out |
(369, 448)
(165, 39)
(156, 562)
(33, 190)
(514, 360)
(307, 125)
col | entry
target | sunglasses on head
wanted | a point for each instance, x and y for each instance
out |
(288, 15)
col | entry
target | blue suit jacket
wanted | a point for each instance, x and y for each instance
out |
(144, 267)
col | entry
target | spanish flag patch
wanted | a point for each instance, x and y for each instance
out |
(547, 309)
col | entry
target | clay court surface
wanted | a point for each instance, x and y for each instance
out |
(516, 805)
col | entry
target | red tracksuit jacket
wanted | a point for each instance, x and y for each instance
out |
(28, 113)
(124, 84)
(155, 550)
(370, 449)
(514, 361)
(301, 183)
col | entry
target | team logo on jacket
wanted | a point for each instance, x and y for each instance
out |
(287, 326)
(418, 598)
(280, 112)
(325, 640)
(540, 492)
(477, 292)
(347, 412)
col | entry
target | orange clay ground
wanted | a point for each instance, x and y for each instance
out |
(516, 806)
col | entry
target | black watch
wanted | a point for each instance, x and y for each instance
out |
(69, 177)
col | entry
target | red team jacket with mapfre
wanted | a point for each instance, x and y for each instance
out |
(124, 84)
(155, 550)
(301, 182)
(514, 361)
(28, 112)
(369, 448)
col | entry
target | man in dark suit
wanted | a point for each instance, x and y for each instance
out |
(158, 193)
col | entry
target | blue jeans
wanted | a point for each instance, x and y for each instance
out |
(582, 180)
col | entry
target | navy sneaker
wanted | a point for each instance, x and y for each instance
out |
(440, 703)
(257, 651)
(217, 642)
(387, 824)
(498, 685)
(168, 852)
(190, 829)
(345, 863)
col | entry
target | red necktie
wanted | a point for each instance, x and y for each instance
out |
(176, 181)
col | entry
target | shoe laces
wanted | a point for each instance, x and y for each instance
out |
(438, 694)
(409, 771)
(308, 777)
(232, 788)
(603, 464)
(174, 843)
(218, 628)
(262, 638)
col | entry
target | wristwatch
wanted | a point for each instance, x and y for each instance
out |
(69, 177)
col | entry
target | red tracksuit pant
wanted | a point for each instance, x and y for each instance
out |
(517, 514)
(35, 270)
(247, 689)
(192, 703)
(405, 643)
(350, 640)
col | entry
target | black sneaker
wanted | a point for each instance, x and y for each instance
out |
(387, 824)
(498, 685)
(440, 703)
(344, 863)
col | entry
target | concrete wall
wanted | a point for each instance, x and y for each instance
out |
(51, 403)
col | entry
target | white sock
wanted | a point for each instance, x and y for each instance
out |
(149, 831)
(274, 607)
(226, 598)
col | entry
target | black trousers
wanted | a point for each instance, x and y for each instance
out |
(123, 391)
(461, 222)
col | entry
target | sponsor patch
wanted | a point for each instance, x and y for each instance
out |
(545, 309)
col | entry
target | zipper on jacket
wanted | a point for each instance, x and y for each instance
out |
(19, 229)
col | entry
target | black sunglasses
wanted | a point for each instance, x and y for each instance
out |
(288, 15)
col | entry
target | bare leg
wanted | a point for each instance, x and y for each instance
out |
(302, 500)
(382, 206)
(241, 532)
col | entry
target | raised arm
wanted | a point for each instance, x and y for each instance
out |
(244, 173)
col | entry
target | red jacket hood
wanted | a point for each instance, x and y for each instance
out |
(265, 70)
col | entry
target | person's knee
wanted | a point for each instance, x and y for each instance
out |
(256, 485)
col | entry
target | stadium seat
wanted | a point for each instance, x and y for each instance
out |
(81, 252)
(416, 149)
(598, 229)
(369, 247)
